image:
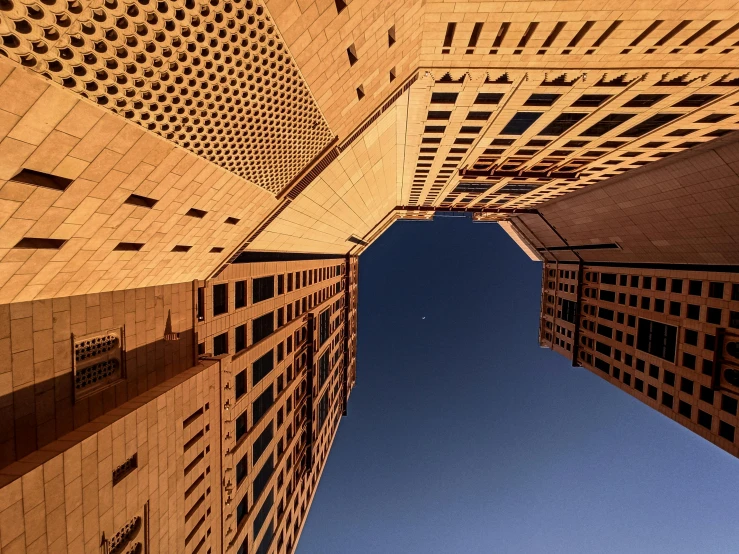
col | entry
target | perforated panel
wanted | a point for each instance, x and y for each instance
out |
(215, 78)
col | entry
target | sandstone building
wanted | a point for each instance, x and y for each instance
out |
(186, 186)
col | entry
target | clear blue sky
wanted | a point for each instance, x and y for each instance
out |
(463, 436)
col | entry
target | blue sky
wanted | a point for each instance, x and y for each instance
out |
(463, 435)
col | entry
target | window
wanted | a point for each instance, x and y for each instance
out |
(669, 378)
(322, 410)
(561, 124)
(323, 367)
(220, 299)
(696, 100)
(240, 380)
(541, 99)
(675, 308)
(686, 385)
(240, 338)
(261, 368)
(657, 339)
(438, 115)
(713, 315)
(694, 312)
(695, 288)
(261, 443)
(714, 118)
(606, 124)
(280, 284)
(263, 512)
(644, 100)
(726, 431)
(262, 478)
(649, 125)
(715, 290)
(262, 289)
(324, 320)
(241, 470)
(241, 510)
(706, 394)
(728, 404)
(520, 122)
(263, 327)
(691, 337)
(262, 404)
(240, 426)
(220, 344)
(201, 303)
(487, 97)
(676, 285)
(569, 310)
(590, 100)
(704, 419)
(240, 294)
(444, 97)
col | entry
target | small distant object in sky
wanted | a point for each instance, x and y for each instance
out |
(424, 317)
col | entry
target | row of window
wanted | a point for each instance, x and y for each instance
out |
(695, 287)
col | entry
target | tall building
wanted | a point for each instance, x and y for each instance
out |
(186, 186)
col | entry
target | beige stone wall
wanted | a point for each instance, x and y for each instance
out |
(62, 498)
(680, 211)
(48, 129)
(37, 404)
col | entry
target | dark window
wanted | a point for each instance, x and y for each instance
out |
(263, 512)
(262, 327)
(627, 378)
(606, 124)
(220, 344)
(605, 313)
(479, 116)
(322, 410)
(240, 338)
(438, 115)
(444, 97)
(677, 285)
(240, 294)
(644, 100)
(669, 378)
(241, 510)
(280, 284)
(608, 295)
(639, 385)
(652, 392)
(709, 342)
(261, 443)
(661, 283)
(240, 426)
(602, 348)
(696, 100)
(694, 311)
(685, 409)
(520, 122)
(691, 337)
(323, 367)
(714, 118)
(686, 385)
(726, 431)
(602, 365)
(605, 330)
(706, 394)
(541, 99)
(240, 384)
(707, 367)
(561, 124)
(654, 371)
(715, 290)
(262, 404)
(650, 124)
(569, 311)
(675, 308)
(489, 98)
(262, 289)
(608, 278)
(695, 288)
(657, 339)
(728, 404)
(688, 360)
(220, 299)
(704, 419)
(261, 479)
(261, 368)
(241, 470)
(713, 315)
(591, 100)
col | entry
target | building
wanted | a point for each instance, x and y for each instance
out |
(186, 186)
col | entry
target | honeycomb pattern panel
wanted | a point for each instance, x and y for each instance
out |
(215, 78)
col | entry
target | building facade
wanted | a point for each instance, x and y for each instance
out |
(186, 186)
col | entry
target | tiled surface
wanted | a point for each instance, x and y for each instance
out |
(62, 499)
(683, 211)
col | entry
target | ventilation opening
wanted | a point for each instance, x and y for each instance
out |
(581, 33)
(216, 249)
(39, 179)
(340, 6)
(392, 74)
(193, 212)
(360, 92)
(129, 246)
(352, 53)
(40, 244)
(648, 31)
(474, 38)
(679, 27)
(391, 36)
(138, 200)
(449, 37)
(181, 248)
(232, 220)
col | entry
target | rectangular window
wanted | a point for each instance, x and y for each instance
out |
(483, 97)
(590, 100)
(261, 444)
(240, 294)
(261, 368)
(241, 509)
(262, 289)
(240, 338)
(644, 100)
(561, 124)
(262, 404)
(261, 479)
(657, 339)
(241, 470)
(240, 384)
(322, 411)
(262, 327)
(569, 311)
(263, 512)
(201, 303)
(323, 366)
(220, 344)
(324, 320)
(542, 99)
(520, 122)
(606, 124)
(240, 426)
(650, 124)
(220, 299)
